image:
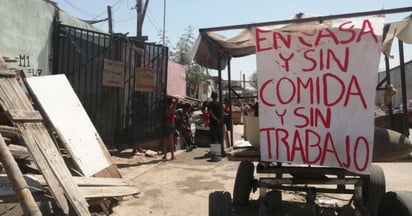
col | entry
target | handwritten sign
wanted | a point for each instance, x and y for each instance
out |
(113, 73)
(317, 93)
(144, 80)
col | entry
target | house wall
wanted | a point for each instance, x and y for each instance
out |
(26, 33)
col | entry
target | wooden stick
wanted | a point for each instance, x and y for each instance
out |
(26, 200)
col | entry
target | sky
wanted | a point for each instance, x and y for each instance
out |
(180, 14)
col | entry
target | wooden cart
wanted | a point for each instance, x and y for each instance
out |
(367, 192)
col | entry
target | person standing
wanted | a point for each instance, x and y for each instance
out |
(183, 125)
(255, 107)
(170, 128)
(215, 121)
(205, 114)
(226, 114)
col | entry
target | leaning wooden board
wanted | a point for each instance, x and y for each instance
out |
(73, 124)
(35, 137)
(90, 187)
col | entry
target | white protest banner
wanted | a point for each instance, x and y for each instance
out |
(317, 94)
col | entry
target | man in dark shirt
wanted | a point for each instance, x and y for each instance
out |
(256, 108)
(215, 121)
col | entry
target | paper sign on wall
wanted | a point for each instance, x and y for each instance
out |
(144, 80)
(317, 94)
(113, 73)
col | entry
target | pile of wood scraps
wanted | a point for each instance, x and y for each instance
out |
(52, 162)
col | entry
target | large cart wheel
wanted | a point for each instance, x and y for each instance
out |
(396, 204)
(220, 203)
(243, 183)
(373, 189)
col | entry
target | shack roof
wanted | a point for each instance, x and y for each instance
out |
(211, 44)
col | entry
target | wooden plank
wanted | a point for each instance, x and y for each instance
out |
(90, 187)
(6, 187)
(52, 180)
(96, 181)
(87, 192)
(102, 192)
(8, 72)
(37, 134)
(10, 209)
(24, 115)
(112, 171)
(19, 152)
(88, 181)
(14, 98)
(9, 131)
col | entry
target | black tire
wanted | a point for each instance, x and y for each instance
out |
(373, 189)
(220, 203)
(396, 204)
(243, 183)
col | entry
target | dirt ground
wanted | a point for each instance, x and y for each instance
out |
(182, 186)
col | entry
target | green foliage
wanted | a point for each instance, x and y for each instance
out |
(253, 80)
(166, 40)
(195, 74)
(250, 92)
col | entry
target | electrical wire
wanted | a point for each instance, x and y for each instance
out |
(82, 11)
(156, 27)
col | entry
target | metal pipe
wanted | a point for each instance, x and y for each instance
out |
(230, 99)
(310, 19)
(403, 84)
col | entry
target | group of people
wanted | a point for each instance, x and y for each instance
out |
(179, 120)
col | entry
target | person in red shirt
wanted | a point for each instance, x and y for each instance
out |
(170, 128)
(205, 114)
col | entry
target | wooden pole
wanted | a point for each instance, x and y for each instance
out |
(20, 187)
(110, 19)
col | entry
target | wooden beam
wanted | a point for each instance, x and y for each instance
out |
(24, 115)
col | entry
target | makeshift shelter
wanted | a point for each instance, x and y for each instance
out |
(213, 50)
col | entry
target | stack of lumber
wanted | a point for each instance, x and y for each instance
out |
(27, 134)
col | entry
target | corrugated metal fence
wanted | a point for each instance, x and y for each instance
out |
(122, 116)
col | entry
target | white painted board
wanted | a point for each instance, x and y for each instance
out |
(67, 115)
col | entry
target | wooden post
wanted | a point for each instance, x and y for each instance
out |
(110, 19)
(20, 187)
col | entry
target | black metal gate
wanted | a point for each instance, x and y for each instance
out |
(122, 116)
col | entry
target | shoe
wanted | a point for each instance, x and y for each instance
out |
(215, 158)
(138, 154)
